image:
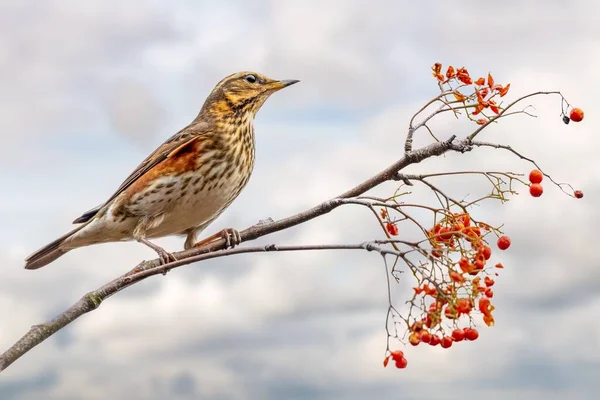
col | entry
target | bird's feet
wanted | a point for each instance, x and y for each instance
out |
(164, 256)
(232, 238)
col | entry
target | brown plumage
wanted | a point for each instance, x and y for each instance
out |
(186, 183)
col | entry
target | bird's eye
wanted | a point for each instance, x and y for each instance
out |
(250, 78)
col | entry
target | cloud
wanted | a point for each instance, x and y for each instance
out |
(99, 85)
(134, 110)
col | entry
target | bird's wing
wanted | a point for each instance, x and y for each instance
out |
(174, 145)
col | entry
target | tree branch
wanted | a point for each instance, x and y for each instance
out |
(145, 269)
(92, 300)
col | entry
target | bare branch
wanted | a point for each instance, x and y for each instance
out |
(503, 112)
(93, 299)
(522, 157)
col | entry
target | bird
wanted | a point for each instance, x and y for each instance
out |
(186, 183)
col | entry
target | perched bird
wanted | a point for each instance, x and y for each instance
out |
(186, 183)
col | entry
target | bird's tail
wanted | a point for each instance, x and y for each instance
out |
(50, 252)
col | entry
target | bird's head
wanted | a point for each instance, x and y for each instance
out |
(242, 93)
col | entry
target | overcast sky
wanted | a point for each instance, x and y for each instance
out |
(89, 88)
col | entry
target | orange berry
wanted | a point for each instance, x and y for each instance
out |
(431, 291)
(484, 305)
(576, 115)
(414, 339)
(456, 277)
(478, 266)
(464, 306)
(536, 190)
(488, 319)
(489, 293)
(417, 326)
(465, 265)
(536, 176)
(466, 220)
(450, 313)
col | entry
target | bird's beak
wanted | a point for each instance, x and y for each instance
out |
(278, 85)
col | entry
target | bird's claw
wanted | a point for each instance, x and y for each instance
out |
(165, 257)
(232, 238)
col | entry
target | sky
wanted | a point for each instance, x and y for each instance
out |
(90, 88)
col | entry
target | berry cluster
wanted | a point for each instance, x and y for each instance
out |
(447, 303)
(535, 188)
(454, 274)
(483, 96)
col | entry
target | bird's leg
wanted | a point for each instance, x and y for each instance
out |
(232, 238)
(139, 234)
(164, 256)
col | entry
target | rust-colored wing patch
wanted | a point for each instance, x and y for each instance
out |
(183, 142)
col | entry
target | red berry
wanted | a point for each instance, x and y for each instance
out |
(445, 233)
(536, 190)
(471, 334)
(465, 265)
(487, 252)
(425, 337)
(401, 363)
(479, 264)
(489, 293)
(576, 115)
(464, 306)
(503, 242)
(391, 228)
(435, 340)
(536, 176)
(578, 194)
(458, 335)
(446, 342)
